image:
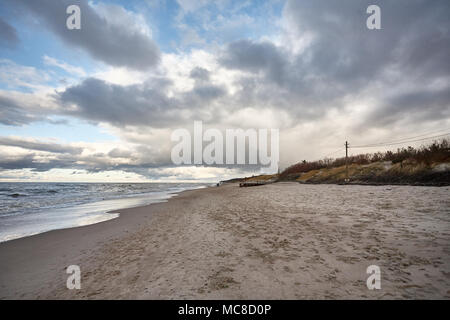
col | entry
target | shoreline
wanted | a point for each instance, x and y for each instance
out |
(69, 247)
(278, 241)
(90, 211)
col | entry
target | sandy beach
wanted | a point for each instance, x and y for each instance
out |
(278, 241)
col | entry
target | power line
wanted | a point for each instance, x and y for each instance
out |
(403, 142)
(340, 149)
(393, 142)
(346, 161)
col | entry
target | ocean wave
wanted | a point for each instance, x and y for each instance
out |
(37, 207)
(16, 195)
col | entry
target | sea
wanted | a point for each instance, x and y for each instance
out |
(28, 208)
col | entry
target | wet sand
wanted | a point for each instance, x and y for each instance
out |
(278, 241)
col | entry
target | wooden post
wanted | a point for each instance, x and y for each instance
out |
(346, 162)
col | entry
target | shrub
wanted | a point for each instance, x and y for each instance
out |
(438, 151)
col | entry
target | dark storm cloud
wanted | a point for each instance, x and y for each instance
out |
(206, 93)
(40, 146)
(12, 114)
(8, 35)
(428, 53)
(144, 105)
(255, 57)
(344, 58)
(22, 110)
(30, 162)
(343, 48)
(119, 153)
(92, 163)
(99, 101)
(11, 163)
(418, 106)
(113, 44)
(200, 74)
(276, 79)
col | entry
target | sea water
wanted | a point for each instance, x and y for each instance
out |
(28, 208)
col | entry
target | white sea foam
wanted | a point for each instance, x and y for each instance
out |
(32, 208)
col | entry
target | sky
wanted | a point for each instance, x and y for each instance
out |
(100, 104)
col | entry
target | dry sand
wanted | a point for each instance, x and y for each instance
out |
(279, 241)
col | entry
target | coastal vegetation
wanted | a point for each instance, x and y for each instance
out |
(425, 165)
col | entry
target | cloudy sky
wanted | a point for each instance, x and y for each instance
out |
(100, 103)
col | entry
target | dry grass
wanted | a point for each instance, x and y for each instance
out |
(377, 170)
(263, 177)
(405, 163)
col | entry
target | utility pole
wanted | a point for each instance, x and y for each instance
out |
(346, 161)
